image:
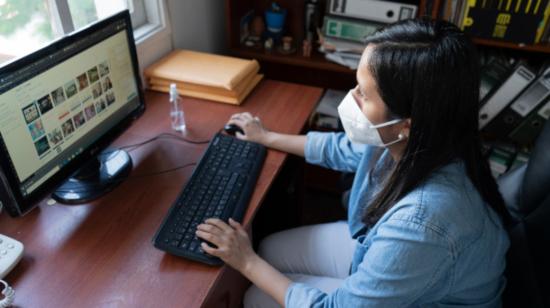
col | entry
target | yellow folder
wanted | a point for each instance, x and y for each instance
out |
(213, 95)
(184, 86)
(200, 68)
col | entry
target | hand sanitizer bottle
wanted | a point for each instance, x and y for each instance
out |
(176, 109)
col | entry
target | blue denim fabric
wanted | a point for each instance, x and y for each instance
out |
(440, 246)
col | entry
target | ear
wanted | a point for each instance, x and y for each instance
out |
(406, 129)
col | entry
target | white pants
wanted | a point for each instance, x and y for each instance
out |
(318, 255)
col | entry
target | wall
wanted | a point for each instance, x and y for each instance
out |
(198, 24)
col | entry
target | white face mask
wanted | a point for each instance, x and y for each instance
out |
(358, 128)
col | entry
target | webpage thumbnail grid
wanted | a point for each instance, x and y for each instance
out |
(94, 85)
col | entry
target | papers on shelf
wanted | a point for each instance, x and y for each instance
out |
(343, 52)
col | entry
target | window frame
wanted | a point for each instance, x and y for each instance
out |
(154, 12)
(153, 39)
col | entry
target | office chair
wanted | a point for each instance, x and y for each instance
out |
(526, 193)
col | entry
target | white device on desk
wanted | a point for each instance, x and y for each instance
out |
(10, 254)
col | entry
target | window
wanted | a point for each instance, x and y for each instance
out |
(26, 25)
(83, 12)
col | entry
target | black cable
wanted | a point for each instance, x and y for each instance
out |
(184, 139)
(135, 146)
(157, 137)
(137, 176)
(162, 172)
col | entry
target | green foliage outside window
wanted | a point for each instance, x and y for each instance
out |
(16, 14)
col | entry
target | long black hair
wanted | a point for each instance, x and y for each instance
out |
(427, 70)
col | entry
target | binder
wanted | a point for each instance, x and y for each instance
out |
(528, 130)
(461, 11)
(510, 88)
(374, 10)
(514, 21)
(545, 35)
(521, 107)
(543, 24)
(450, 10)
(202, 68)
(492, 75)
(347, 29)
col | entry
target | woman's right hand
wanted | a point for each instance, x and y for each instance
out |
(252, 127)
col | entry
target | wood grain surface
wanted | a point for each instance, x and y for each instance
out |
(101, 254)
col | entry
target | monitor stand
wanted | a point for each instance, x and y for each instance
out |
(99, 176)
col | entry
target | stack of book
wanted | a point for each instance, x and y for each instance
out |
(523, 22)
(348, 23)
(207, 76)
(515, 101)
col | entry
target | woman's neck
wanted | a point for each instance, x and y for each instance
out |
(397, 150)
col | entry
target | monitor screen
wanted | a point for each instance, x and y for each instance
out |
(59, 105)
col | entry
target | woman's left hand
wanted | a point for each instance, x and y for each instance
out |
(233, 244)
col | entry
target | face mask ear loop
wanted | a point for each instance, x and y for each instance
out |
(387, 123)
(400, 138)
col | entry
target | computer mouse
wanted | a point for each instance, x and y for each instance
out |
(231, 129)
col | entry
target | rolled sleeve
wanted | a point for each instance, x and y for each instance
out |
(403, 262)
(334, 151)
(302, 295)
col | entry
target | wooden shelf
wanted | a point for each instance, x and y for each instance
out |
(544, 48)
(314, 70)
(316, 61)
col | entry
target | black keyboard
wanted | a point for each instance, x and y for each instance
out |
(221, 186)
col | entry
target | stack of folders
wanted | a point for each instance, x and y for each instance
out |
(207, 76)
(348, 22)
(515, 102)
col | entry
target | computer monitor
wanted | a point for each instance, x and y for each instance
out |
(60, 107)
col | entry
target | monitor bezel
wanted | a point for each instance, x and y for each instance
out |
(26, 203)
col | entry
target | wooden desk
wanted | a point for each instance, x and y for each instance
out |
(100, 254)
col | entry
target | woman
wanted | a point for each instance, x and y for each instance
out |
(423, 223)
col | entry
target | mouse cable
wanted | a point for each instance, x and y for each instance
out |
(137, 176)
(134, 146)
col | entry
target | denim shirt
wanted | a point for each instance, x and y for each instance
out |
(441, 245)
